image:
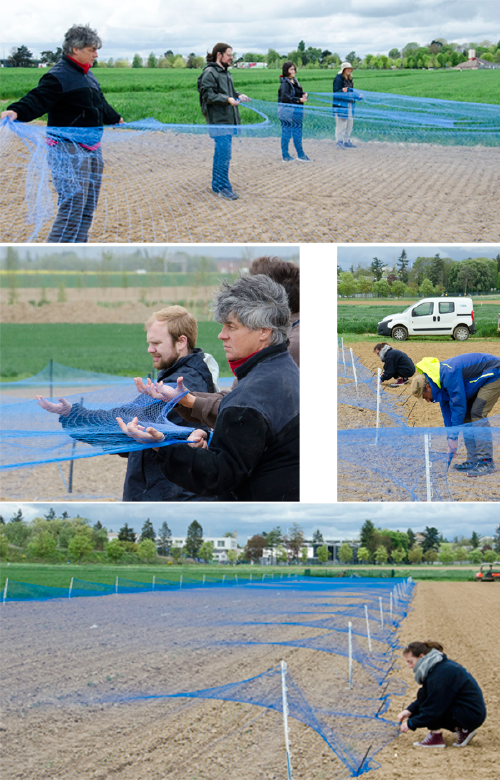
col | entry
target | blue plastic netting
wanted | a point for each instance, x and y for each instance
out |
(149, 181)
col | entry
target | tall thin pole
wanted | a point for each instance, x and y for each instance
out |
(355, 375)
(381, 611)
(377, 423)
(427, 467)
(51, 378)
(285, 719)
(5, 590)
(70, 478)
(350, 654)
(70, 588)
(368, 629)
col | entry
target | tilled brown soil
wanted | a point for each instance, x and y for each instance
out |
(75, 650)
(156, 188)
(366, 486)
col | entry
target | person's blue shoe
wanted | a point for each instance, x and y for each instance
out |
(287, 158)
(226, 194)
(340, 144)
(303, 158)
(349, 145)
(482, 469)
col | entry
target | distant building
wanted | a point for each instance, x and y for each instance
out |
(475, 63)
(222, 545)
(257, 65)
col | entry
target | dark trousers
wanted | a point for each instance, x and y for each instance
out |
(222, 158)
(291, 129)
(477, 438)
(77, 177)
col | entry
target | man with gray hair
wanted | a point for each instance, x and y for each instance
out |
(71, 96)
(254, 451)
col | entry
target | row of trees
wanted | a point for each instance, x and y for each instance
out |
(438, 54)
(427, 276)
(381, 545)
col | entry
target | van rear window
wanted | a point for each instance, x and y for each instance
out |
(447, 307)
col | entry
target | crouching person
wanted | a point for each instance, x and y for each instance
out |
(449, 698)
(397, 364)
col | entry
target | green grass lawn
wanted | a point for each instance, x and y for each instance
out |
(172, 96)
(109, 349)
(361, 319)
(60, 575)
(115, 279)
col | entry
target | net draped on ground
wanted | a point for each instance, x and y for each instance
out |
(32, 436)
(133, 204)
(398, 455)
(304, 613)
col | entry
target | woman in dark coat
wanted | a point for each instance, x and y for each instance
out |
(291, 99)
(449, 698)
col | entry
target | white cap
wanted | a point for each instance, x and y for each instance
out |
(345, 65)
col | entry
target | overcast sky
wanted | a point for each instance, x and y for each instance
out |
(352, 255)
(218, 252)
(333, 520)
(365, 26)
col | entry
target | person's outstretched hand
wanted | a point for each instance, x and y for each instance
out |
(139, 432)
(147, 389)
(63, 408)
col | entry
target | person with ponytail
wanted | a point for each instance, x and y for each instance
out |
(449, 698)
(219, 103)
(291, 99)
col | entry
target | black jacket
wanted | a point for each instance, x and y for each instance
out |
(254, 453)
(448, 689)
(70, 97)
(396, 364)
(342, 100)
(290, 91)
(215, 85)
(144, 481)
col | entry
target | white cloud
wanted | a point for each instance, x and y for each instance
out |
(364, 26)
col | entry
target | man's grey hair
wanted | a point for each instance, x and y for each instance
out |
(257, 302)
(79, 37)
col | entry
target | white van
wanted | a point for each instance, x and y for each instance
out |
(431, 317)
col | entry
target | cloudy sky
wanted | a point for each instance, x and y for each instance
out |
(365, 26)
(333, 520)
(220, 251)
(352, 255)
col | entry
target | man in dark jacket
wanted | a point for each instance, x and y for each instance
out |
(71, 96)
(397, 364)
(219, 104)
(254, 452)
(171, 336)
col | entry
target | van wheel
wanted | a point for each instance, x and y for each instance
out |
(461, 333)
(399, 333)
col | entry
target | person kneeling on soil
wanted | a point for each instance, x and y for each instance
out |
(467, 388)
(397, 364)
(449, 698)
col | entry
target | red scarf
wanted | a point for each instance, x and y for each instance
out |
(85, 68)
(234, 364)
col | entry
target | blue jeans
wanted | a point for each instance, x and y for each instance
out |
(291, 129)
(222, 158)
(77, 178)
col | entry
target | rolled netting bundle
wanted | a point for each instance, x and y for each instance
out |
(32, 436)
(148, 181)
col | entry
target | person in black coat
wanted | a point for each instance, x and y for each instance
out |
(449, 698)
(71, 96)
(291, 99)
(254, 452)
(397, 364)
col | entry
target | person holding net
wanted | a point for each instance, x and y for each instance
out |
(344, 98)
(449, 697)
(219, 103)
(71, 96)
(254, 451)
(291, 99)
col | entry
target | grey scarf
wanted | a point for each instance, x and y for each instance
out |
(425, 664)
(383, 352)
